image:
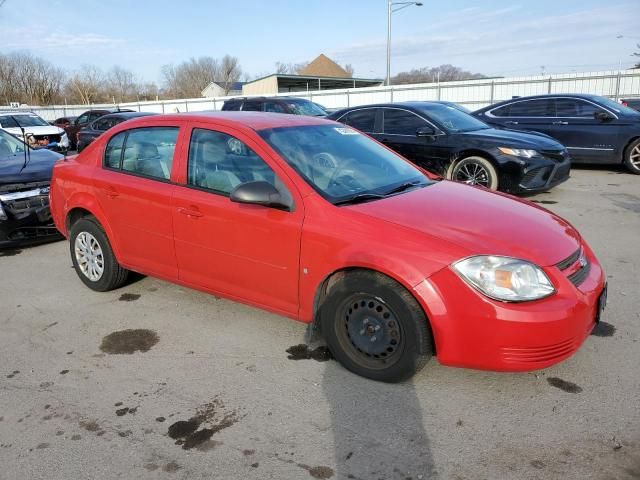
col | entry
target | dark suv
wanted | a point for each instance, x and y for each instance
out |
(594, 129)
(85, 119)
(291, 105)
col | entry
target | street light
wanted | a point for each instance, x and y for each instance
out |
(390, 10)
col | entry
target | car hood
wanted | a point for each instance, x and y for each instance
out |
(43, 130)
(480, 221)
(38, 168)
(514, 138)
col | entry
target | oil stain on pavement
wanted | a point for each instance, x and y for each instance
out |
(129, 341)
(563, 385)
(303, 352)
(129, 297)
(213, 416)
(10, 253)
(545, 202)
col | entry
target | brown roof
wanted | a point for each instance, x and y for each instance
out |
(323, 66)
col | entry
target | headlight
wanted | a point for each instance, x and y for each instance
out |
(518, 152)
(505, 278)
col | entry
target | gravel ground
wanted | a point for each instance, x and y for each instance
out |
(210, 393)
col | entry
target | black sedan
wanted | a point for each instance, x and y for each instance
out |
(25, 174)
(594, 129)
(445, 140)
(96, 128)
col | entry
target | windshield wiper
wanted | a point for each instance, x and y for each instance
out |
(359, 198)
(404, 186)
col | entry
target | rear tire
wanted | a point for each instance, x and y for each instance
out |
(632, 157)
(474, 170)
(93, 258)
(375, 328)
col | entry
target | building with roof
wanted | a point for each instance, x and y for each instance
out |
(216, 89)
(321, 74)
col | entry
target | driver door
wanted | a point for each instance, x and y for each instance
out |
(243, 251)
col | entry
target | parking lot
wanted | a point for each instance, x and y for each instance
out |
(75, 404)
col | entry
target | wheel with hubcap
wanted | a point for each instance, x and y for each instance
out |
(375, 328)
(632, 157)
(474, 171)
(93, 258)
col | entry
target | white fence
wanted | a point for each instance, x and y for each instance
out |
(473, 94)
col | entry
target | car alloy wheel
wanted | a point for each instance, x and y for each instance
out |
(89, 256)
(634, 156)
(474, 171)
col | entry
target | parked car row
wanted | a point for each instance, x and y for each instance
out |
(315, 220)
(34, 130)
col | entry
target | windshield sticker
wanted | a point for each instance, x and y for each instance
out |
(346, 131)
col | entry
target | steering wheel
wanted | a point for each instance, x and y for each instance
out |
(342, 168)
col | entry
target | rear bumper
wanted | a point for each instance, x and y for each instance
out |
(473, 331)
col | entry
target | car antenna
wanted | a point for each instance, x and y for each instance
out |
(27, 153)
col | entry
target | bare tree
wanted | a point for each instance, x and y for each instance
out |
(230, 72)
(290, 68)
(28, 79)
(349, 69)
(189, 78)
(443, 73)
(637, 54)
(121, 85)
(88, 84)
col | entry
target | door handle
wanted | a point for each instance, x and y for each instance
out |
(190, 212)
(110, 192)
(510, 122)
(560, 123)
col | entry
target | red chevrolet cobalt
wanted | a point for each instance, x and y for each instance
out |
(313, 220)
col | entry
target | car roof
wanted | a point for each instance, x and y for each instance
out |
(252, 120)
(126, 115)
(19, 113)
(283, 99)
(586, 96)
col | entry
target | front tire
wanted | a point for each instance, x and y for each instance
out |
(474, 170)
(632, 157)
(93, 258)
(375, 328)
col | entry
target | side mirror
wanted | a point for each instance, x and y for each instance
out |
(259, 193)
(426, 131)
(602, 116)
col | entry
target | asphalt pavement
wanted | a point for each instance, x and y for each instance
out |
(209, 390)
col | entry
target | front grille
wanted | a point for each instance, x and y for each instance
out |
(558, 155)
(582, 273)
(22, 187)
(570, 260)
(52, 138)
(580, 276)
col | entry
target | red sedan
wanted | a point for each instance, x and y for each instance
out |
(316, 221)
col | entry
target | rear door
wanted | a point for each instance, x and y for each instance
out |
(586, 138)
(536, 114)
(134, 189)
(249, 252)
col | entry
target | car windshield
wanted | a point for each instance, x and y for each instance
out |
(453, 119)
(305, 107)
(10, 145)
(343, 165)
(22, 121)
(617, 107)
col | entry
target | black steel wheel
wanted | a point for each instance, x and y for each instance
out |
(475, 171)
(375, 327)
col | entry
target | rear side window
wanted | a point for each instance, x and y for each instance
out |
(113, 152)
(274, 107)
(569, 107)
(501, 111)
(231, 105)
(143, 151)
(532, 108)
(363, 120)
(401, 122)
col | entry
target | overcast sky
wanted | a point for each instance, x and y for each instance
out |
(497, 37)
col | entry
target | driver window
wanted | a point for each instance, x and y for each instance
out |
(220, 162)
(401, 122)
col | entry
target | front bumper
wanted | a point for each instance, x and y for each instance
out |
(537, 174)
(473, 331)
(26, 220)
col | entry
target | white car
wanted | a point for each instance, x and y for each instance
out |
(34, 130)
